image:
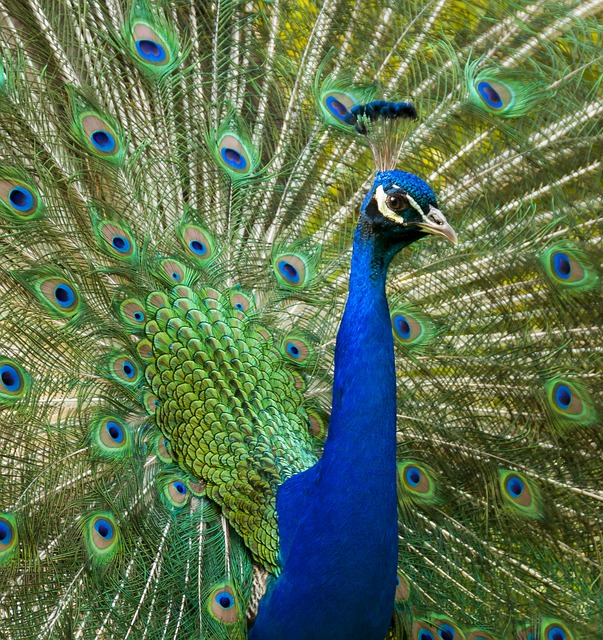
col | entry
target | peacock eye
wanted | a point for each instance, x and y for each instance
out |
(397, 202)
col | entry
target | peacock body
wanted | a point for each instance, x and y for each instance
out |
(198, 441)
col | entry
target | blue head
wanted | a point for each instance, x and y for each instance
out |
(399, 209)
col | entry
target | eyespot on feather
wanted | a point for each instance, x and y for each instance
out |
(411, 329)
(335, 98)
(414, 478)
(9, 539)
(110, 436)
(233, 154)
(101, 535)
(150, 402)
(151, 39)
(59, 295)
(176, 493)
(223, 604)
(112, 433)
(124, 369)
(520, 494)
(516, 489)
(569, 403)
(416, 482)
(494, 94)
(163, 450)
(118, 241)
(14, 382)
(317, 424)
(96, 132)
(565, 399)
(402, 588)
(174, 271)
(100, 137)
(240, 301)
(232, 147)
(149, 46)
(446, 629)
(503, 92)
(197, 242)
(423, 630)
(297, 349)
(133, 312)
(20, 201)
(291, 270)
(569, 268)
(336, 105)
(553, 629)
(565, 268)
(406, 328)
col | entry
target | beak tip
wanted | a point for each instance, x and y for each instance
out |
(453, 237)
(443, 231)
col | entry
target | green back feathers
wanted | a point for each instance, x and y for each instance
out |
(213, 373)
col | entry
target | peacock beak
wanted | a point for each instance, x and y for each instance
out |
(435, 222)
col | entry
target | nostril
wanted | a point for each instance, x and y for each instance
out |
(436, 216)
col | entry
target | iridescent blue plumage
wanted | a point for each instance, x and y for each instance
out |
(347, 501)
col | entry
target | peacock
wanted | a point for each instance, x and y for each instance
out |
(301, 332)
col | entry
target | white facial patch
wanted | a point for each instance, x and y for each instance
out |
(381, 198)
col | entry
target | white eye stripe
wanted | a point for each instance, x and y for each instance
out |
(415, 205)
(381, 198)
(386, 212)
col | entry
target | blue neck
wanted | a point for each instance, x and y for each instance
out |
(338, 520)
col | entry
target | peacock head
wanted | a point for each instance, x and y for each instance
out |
(401, 208)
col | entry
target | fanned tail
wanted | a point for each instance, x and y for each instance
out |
(179, 184)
